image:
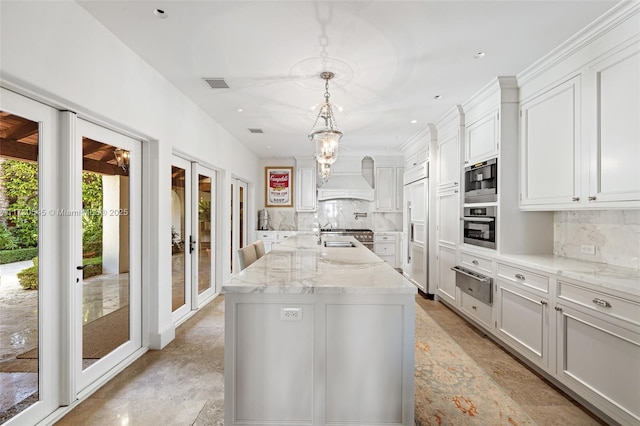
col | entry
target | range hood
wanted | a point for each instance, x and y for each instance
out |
(347, 181)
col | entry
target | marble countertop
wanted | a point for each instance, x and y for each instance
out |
(300, 266)
(617, 278)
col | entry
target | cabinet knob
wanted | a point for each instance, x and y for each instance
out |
(543, 302)
(456, 191)
(475, 262)
(575, 199)
(455, 183)
(591, 198)
(474, 307)
(558, 308)
(520, 277)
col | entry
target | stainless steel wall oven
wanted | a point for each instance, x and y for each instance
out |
(480, 226)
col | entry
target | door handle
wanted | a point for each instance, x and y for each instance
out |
(80, 268)
(192, 244)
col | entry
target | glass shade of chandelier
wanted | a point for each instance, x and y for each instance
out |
(324, 170)
(326, 137)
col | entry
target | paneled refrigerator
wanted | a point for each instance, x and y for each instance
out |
(416, 226)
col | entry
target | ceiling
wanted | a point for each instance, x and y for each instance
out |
(391, 59)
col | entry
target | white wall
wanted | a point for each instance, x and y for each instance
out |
(57, 52)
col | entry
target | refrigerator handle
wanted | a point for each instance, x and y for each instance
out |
(411, 233)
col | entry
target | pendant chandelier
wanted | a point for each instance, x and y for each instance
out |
(326, 137)
(324, 170)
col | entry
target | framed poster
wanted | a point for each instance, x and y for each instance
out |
(279, 186)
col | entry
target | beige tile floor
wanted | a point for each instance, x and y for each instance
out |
(183, 383)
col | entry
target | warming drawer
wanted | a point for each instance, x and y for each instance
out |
(474, 284)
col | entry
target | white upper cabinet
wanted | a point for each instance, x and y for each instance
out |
(450, 132)
(482, 138)
(614, 172)
(550, 136)
(385, 189)
(305, 185)
(580, 120)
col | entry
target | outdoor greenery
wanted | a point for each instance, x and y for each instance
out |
(91, 221)
(19, 181)
(7, 241)
(29, 277)
(17, 255)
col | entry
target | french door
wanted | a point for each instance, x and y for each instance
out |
(193, 249)
(106, 249)
(31, 293)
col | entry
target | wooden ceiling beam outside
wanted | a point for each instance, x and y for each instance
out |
(18, 151)
(20, 131)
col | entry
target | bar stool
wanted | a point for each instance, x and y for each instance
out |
(246, 256)
(259, 244)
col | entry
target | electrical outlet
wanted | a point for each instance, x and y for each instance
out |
(291, 314)
(588, 249)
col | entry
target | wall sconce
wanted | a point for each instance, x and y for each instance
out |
(122, 158)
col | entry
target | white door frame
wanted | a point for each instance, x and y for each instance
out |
(200, 170)
(180, 314)
(51, 297)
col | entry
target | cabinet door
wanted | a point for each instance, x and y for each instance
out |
(523, 321)
(449, 161)
(399, 191)
(614, 175)
(600, 361)
(550, 136)
(306, 189)
(448, 217)
(482, 138)
(385, 189)
(446, 277)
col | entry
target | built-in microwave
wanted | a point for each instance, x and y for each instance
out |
(481, 182)
(480, 226)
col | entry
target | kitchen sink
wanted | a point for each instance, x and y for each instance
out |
(339, 244)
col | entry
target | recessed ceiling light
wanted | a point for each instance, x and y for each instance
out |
(268, 146)
(414, 121)
(160, 13)
(436, 97)
(479, 55)
(240, 110)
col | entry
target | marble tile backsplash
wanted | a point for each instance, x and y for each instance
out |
(337, 213)
(614, 233)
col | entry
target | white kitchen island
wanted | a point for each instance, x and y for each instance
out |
(319, 335)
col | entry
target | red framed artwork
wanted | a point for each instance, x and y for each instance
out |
(278, 186)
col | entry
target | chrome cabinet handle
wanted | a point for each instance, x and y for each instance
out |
(601, 302)
(591, 198)
(575, 199)
(558, 308)
(520, 277)
(543, 302)
(475, 262)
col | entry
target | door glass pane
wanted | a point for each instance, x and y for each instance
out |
(19, 277)
(178, 252)
(105, 249)
(205, 254)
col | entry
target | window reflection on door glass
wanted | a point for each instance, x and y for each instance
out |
(178, 252)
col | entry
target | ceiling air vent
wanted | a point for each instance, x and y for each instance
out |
(256, 130)
(217, 83)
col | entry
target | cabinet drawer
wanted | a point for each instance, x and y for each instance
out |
(266, 236)
(600, 302)
(391, 260)
(285, 235)
(379, 236)
(476, 308)
(476, 263)
(385, 248)
(524, 277)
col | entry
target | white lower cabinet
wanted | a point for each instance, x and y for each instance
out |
(598, 349)
(523, 321)
(476, 309)
(386, 246)
(273, 238)
(446, 282)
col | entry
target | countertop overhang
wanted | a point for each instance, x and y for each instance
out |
(302, 266)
